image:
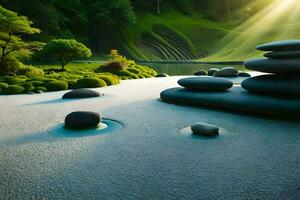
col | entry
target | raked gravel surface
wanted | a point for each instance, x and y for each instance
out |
(149, 157)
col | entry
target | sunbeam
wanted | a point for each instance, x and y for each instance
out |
(278, 21)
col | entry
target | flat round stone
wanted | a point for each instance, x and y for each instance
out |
(205, 129)
(226, 72)
(244, 74)
(161, 75)
(211, 71)
(280, 46)
(274, 85)
(200, 73)
(82, 120)
(205, 83)
(278, 66)
(283, 54)
(238, 100)
(81, 93)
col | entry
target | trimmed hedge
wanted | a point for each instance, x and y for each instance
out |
(3, 86)
(40, 89)
(90, 82)
(11, 80)
(56, 85)
(14, 89)
(28, 87)
(110, 80)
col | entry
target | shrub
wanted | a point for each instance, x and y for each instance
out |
(12, 80)
(14, 89)
(133, 70)
(3, 86)
(90, 82)
(37, 83)
(30, 71)
(110, 80)
(128, 74)
(28, 87)
(72, 84)
(38, 89)
(112, 67)
(56, 85)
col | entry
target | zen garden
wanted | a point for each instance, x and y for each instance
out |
(158, 99)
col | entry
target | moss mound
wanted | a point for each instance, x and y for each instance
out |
(14, 89)
(90, 82)
(28, 87)
(40, 89)
(56, 85)
(3, 86)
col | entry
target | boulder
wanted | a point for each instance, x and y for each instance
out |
(211, 71)
(274, 85)
(161, 75)
(81, 93)
(82, 120)
(244, 74)
(204, 129)
(226, 72)
(277, 66)
(283, 54)
(200, 73)
(286, 45)
(205, 83)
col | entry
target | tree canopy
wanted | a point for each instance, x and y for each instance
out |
(65, 50)
(12, 28)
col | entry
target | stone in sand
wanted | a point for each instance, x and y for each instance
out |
(283, 54)
(226, 72)
(205, 83)
(274, 85)
(205, 129)
(161, 75)
(200, 73)
(277, 66)
(244, 74)
(81, 93)
(82, 120)
(286, 45)
(211, 71)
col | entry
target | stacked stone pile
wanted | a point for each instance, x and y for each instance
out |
(282, 63)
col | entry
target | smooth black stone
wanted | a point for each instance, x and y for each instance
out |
(244, 74)
(200, 73)
(205, 83)
(205, 129)
(283, 54)
(211, 71)
(81, 93)
(278, 66)
(280, 46)
(236, 99)
(274, 85)
(226, 72)
(161, 75)
(82, 120)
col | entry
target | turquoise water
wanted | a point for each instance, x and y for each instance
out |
(186, 68)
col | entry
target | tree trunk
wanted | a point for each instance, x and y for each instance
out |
(158, 6)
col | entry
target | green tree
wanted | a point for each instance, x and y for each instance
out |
(65, 50)
(12, 28)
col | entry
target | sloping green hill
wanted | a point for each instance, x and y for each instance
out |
(172, 36)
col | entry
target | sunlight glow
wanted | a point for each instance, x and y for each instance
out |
(278, 21)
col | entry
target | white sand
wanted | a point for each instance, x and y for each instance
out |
(149, 158)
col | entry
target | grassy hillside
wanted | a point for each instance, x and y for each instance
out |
(172, 36)
(278, 20)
